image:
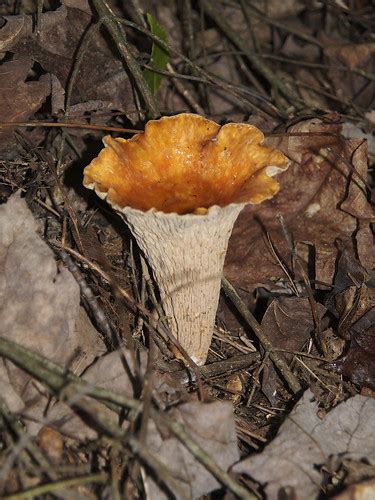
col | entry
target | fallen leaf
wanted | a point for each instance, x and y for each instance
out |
(288, 322)
(352, 304)
(305, 443)
(55, 49)
(19, 98)
(349, 272)
(118, 371)
(39, 304)
(353, 55)
(310, 200)
(358, 363)
(213, 427)
(352, 301)
(343, 58)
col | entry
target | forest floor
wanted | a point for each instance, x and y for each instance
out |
(95, 400)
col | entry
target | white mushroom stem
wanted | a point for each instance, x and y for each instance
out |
(186, 254)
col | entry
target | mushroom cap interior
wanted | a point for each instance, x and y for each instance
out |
(183, 164)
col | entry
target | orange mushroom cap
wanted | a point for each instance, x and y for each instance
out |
(185, 164)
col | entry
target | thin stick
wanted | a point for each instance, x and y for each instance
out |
(162, 472)
(258, 63)
(211, 79)
(253, 11)
(58, 485)
(185, 92)
(68, 125)
(98, 313)
(223, 477)
(56, 377)
(123, 47)
(278, 360)
(69, 387)
(23, 441)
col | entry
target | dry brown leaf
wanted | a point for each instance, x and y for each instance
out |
(19, 98)
(358, 363)
(311, 201)
(352, 301)
(288, 322)
(39, 307)
(353, 55)
(212, 425)
(348, 86)
(101, 76)
(304, 443)
(116, 371)
(306, 83)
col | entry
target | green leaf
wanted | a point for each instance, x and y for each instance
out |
(159, 56)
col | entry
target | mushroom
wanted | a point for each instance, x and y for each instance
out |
(180, 186)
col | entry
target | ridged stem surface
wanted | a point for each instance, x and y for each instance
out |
(186, 254)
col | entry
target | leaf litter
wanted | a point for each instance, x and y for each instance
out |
(305, 445)
(106, 408)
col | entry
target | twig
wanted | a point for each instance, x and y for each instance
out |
(326, 67)
(253, 11)
(39, 13)
(231, 365)
(185, 92)
(162, 472)
(66, 385)
(23, 442)
(223, 477)
(68, 125)
(122, 44)
(58, 485)
(56, 377)
(258, 63)
(209, 77)
(138, 12)
(90, 297)
(278, 360)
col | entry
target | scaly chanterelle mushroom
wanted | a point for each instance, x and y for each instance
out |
(180, 186)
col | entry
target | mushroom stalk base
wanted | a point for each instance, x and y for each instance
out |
(186, 254)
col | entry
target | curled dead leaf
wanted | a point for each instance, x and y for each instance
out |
(312, 202)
